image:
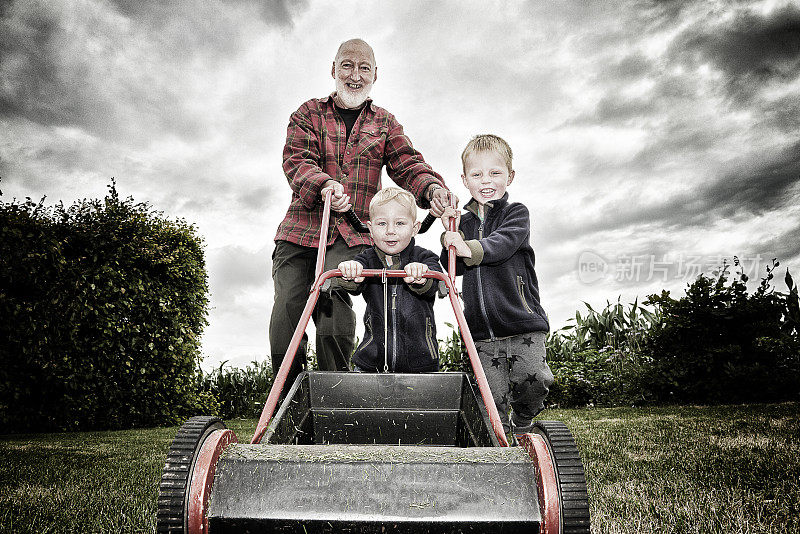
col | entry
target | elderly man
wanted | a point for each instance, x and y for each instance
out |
(339, 143)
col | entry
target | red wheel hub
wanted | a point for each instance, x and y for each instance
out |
(547, 482)
(203, 478)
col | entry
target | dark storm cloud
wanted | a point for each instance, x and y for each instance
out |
(185, 29)
(784, 113)
(674, 139)
(256, 199)
(5, 5)
(738, 194)
(631, 67)
(57, 73)
(614, 109)
(750, 49)
(767, 188)
(26, 64)
(785, 247)
(280, 13)
(272, 12)
(669, 93)
(741, 192)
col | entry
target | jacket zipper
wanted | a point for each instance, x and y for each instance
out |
(394, 327)
(480, 289)
(521, 289)
(367, 333)
(429, 338)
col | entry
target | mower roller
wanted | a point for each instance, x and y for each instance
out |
(374, 452)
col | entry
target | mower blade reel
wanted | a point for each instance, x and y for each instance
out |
(362, 487)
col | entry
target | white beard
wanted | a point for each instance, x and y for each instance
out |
(349, 98)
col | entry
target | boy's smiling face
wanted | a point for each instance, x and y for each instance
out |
(392, 227)
(486, 176)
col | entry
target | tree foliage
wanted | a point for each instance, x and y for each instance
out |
(103, 304)
(720, 344)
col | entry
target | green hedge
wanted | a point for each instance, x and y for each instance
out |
(103, 305)
(716, 344)
(720, 344)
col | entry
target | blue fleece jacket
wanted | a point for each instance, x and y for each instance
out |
(500, 288)
(411, 327)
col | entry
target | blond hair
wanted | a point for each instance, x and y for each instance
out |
(387, 194)
(488, 143)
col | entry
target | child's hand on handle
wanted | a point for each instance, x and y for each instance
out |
(455, 239)
(351, 270)
(415, 270)
(340, 201)
(449, 213)
(441, 199)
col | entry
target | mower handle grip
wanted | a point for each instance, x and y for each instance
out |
(324, 280)
(426, 223)
(355, 222)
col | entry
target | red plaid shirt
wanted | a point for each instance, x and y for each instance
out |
(316, 151)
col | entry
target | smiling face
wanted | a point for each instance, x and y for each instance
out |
(486, 175)
(354, 71)
(392, 226)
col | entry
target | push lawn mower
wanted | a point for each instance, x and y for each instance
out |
(365, 452)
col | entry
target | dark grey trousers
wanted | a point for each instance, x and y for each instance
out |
(518, 375)
(292, 275)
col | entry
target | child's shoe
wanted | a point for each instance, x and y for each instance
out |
(519, 429)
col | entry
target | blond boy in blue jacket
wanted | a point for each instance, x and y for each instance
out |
(500, 287)
(408, 302)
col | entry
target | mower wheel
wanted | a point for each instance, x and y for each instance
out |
(572, 491)
(173, 490)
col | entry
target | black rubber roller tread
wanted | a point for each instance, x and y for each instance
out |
(572, 489)
(171, 515)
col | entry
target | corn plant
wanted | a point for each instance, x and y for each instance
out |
(595, 357)
(452, 352)
(613, 329)
(240, 392)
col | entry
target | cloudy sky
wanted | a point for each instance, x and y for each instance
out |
(651, 139)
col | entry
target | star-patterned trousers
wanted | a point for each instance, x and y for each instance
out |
(518, 375)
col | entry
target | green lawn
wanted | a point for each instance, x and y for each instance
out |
(673, 469)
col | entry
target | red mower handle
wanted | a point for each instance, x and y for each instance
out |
(449, 279)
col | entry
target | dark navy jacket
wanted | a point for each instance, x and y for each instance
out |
(500, 288)
(413, 346)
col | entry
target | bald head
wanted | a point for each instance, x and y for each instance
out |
(355, 45)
